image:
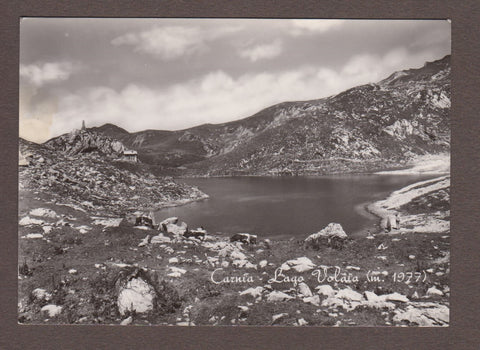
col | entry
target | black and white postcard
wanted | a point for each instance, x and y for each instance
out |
(234, 172)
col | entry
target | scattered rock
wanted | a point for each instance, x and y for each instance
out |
(127, 321)
(22, 159)
(246, 238)
(349, 294)
(177, 230)
(277, 317)
(278, 296)
(304, 289)
(333, 236)
(33, 236)
(326, 290)
(356, 268)
(377, 301)
(433, 291)
(299, 264)
(199, 233)
(255, 292)
(314, 300)
(424, 314)
(396, 297)
(27, 221)
(382, 247)
(168, 221)
(41, 294)
(144, 241)
(243, 310)
(47, 229)
(345, 298)
(266, 244)
(160, 239)
(176, 272)
(145, 228)
(108, 222)
(144, 220)
(137, 295)
(301, 322)
(52, 310)
(237, 255)
(43, 212)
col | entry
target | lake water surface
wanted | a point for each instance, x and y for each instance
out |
(285, 207)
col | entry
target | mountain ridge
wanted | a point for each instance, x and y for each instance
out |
(381, 125)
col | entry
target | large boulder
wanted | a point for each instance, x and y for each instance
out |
(22, 159)
(278, 296)
(164, 223)
(299, 264)
(144, 220)
(332, 236)
(177, 229)
(246, 238)
(136, 295)
(199, 233)
(173, 226)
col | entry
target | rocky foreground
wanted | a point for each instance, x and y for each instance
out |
(78, 265)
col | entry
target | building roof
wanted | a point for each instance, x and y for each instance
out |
(129, 153)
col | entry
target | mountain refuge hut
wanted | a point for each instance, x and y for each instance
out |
(130, 156)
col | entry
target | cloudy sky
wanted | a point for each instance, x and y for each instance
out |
(173, 74)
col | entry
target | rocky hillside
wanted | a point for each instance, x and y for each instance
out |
(82, 169)
(369, 127)
(85, 142)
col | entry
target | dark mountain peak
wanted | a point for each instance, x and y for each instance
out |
(109, 129)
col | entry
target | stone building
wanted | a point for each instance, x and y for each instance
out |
(130, 155)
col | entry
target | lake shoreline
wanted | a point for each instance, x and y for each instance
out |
(227, 188)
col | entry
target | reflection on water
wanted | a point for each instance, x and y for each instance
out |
(283, 207)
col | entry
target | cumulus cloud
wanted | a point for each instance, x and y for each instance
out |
(40, 74)
(262, 51)
(171, 42)
(167, 43)
(311, 26)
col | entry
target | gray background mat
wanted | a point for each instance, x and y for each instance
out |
(463, 332)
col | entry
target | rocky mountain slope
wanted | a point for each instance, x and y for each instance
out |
(83, 169)
(85, 142)
(369, 127)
